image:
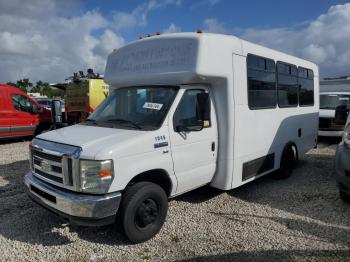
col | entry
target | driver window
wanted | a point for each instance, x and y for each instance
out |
(22, 103)
(186, 112)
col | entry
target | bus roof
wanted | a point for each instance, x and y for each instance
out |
(184, 58)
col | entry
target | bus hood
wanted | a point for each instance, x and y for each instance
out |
(101, 142)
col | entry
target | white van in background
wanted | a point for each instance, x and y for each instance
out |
(334, 92)
(185, 110)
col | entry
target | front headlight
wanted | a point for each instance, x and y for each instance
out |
(346, 136)
(96, 176)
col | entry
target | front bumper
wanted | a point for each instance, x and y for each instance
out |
(342, 164)
(81, 209)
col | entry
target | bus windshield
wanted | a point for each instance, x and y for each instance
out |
(141, 107)
(330, 101)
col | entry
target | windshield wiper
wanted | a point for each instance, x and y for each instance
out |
(125, 121)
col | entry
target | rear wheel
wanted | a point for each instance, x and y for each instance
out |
(143, 211)
(287, 164)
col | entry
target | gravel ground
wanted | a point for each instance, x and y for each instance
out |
(300, 218)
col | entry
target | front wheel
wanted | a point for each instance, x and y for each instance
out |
(143, 210)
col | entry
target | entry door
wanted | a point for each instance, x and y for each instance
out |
(194, 152)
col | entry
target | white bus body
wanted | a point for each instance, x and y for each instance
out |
(257, 112)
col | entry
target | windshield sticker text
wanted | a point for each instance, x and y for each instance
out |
(154, 106)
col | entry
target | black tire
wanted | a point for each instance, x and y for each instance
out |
(143, 210)
(345, 197)
(287, 164)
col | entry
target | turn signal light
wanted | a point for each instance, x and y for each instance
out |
(105, 173)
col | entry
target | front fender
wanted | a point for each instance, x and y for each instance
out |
(127, 168)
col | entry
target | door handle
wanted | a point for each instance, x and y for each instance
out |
(213, 146)
(165, 151)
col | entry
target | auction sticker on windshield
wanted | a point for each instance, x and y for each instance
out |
(154, 106)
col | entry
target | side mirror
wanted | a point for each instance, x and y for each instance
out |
(203, 109)
(56, 112)
(341, 115)
(202, 118)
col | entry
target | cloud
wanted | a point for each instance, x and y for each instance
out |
(172, 29)
(41, 44)
(124, 21)
(213, 26)
(108, 41)
(325, 40)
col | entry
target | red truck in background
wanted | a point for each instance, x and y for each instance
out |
(20, 115)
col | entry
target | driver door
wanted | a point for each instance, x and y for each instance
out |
(23, 122)
(194, 152)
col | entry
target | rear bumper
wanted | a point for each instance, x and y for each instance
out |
(342, 164)
(331, 133)
(81, 209)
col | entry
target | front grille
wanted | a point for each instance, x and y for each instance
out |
(54, 178)
(56, 169)
(47, 156)
(50, 168)
(56, 163)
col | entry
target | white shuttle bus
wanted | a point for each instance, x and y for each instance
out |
(185, 110)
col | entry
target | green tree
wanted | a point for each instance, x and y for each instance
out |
(38, 88)
(23, 84)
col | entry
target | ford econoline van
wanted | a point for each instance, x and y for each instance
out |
(20, 115)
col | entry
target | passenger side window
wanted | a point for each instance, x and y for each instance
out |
(261, 82)
(186, 113)
(306, 87)
(22, 103)
(287, 85)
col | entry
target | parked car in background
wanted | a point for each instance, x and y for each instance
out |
(45, 102)
(343, 163)
(20, 115)
(333, 93)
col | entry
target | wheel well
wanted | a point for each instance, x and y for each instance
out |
(295, 149)
(157, 176)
